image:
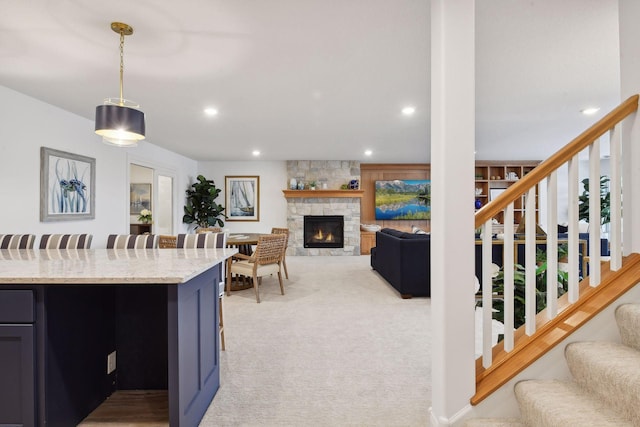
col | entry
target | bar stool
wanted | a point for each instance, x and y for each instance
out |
(65, 241)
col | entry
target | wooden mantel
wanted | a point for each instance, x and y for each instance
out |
(319, 194)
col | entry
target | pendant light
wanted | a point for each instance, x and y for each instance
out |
(119, 121)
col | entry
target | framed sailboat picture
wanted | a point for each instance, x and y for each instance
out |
(242, 195)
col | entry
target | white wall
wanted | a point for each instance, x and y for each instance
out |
(26, 124)
(630, 85)
(273, 179)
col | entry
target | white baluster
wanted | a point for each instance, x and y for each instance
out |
(615, 231)
(508, 262)
(487, 295)
(572, 243)
(594, 213)
(530, 261)
(552, 245)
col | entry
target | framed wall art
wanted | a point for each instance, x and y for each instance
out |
(398, 199)
(242, 194)
(67, 186)
(139, 198)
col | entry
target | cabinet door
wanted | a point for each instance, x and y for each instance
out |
(17, 387)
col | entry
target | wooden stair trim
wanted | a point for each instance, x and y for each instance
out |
(558, 159)
(521, 339)
(529, 349)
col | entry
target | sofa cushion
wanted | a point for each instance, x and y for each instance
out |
(417, 230)
(393, 232)
(403, 234)
(411, 236)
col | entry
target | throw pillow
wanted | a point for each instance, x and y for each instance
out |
(416, 230)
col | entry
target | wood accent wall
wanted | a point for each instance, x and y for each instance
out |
(372, 172)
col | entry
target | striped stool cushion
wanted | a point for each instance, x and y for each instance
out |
(65, 241)
(17, 241)
(132, 241)
(202, 240)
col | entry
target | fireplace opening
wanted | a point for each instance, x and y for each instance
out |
(323, 231)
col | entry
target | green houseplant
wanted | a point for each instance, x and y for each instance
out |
(201, 207)
(605, 201)
(562, 281)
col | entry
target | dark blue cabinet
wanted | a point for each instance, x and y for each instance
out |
(17, 364)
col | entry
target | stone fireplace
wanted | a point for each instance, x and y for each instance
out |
(330, 202)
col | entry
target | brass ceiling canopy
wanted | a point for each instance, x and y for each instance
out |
(122, 28)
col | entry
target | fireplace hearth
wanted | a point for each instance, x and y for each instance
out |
(323, 231)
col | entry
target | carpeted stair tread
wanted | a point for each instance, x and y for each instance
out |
(628, 318)
(605, 368)
(494, 422)
(555, 403)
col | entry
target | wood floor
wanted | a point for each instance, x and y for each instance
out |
(129, 408)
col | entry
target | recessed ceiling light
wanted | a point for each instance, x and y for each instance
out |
(590, 111)
(255, 152)
(408, 111)
(368, 152)
(210, 111)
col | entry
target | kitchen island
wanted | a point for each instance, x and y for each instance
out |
(63, 314)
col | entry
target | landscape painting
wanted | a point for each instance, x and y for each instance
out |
(403, 199)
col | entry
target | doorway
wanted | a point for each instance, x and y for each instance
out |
(151, 187)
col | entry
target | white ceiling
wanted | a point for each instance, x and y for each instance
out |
(315, 79)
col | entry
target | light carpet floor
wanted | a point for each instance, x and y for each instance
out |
(341, 348)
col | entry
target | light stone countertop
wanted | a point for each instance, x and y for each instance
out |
(106, 266)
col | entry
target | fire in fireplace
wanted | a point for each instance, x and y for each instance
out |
(323, 231)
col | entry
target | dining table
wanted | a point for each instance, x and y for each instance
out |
(244, 241)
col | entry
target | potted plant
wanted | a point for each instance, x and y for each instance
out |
(145, 216)
(605, 201)
(519, 291)
(519, 283)
(201, 207)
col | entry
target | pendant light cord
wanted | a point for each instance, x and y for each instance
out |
(121, 65)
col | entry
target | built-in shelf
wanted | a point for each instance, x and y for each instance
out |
(289, 194)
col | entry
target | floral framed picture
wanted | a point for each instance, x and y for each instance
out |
(139, 198)
(67, 186)
(242, 196)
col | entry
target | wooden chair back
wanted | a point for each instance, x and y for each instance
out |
(166, 241)
(200, 230)
(270, 249)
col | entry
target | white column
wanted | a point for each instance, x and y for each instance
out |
(452, 221)
(629, 13)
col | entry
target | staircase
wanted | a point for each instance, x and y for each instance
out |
(605, 390)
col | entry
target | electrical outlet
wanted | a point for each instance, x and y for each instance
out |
(111, 362)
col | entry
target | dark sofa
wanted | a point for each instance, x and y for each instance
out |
(404, 260)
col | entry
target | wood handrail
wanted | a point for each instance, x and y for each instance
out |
(562, 156)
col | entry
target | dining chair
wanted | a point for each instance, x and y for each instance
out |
(208, 230)
(132, 241)
(266, 260)
(65, 241)
(17, 241)
(166, 241)
(208, 240)
(276, 230)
